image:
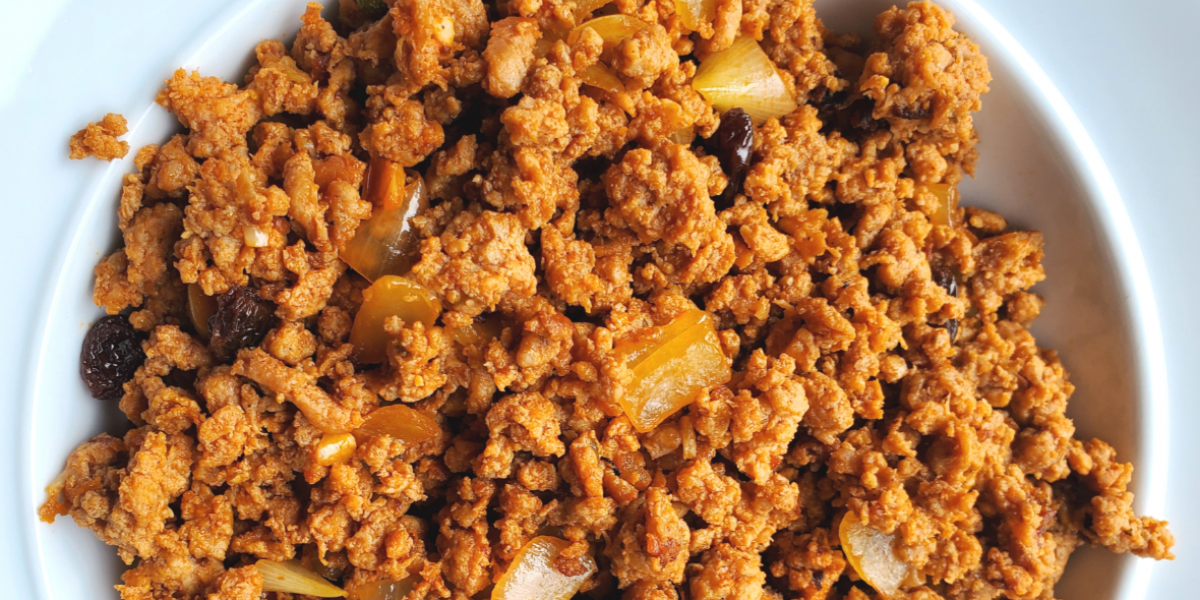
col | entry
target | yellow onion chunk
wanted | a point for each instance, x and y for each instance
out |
(873, 557)
(613, 29)
(293, 578)
(389, 296)
(403, 423)
(384, 589)
(583, 8)
(479, 332)
(695, 13)
(743, 76)
(602, 76)
(200, 307)
(671, 365)
(943, 194)
(386, 244)
(532, 575)
(335, 449)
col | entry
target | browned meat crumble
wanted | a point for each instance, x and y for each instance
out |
(873, 372)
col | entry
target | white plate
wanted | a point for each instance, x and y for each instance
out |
(1038, 167)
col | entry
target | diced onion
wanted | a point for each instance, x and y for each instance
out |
(872, 555)
(201, 306)
(602, 76)
(479, 332)
(613, 29)
(386, 244)
(683, 135)
(255, 236)
(384, 589)
(695, 12)
(335, 449)
(293, 578)
(401, 422)
(743, 76)
(532, 575)
(389, 296)
(584, 8)
(671, 365)
(385, 183)
(943, 193)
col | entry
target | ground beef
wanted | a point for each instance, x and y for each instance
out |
(870, 336)
(100, 139)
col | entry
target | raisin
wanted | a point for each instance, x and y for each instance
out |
(952, 329)
(112, 352)
(242, 320)
(944, 276)
(732, 145)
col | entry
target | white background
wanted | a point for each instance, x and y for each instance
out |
(1130, 70)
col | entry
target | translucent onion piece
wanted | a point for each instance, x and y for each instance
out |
(584, 8)
(872, 556)
(201, 306)
(613, 29)
(385, 589)
(335, 449)
(531, 576)
(402, 422)
(943, 192)
(386, 244)
(694, 12)
(671, 365)
(255, 236)
(389, 296)
(683, 135)
(602, 76)
(385, 183)
(479, 332)
(293, 578)
(744, 76)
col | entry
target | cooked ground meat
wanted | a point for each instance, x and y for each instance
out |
(873, 363)
(100, 139)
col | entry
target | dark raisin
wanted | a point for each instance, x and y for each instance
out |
(944, 276)
(952, 329)
(818, 578)
(242, 320)
(732, 145)
(112, 351)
